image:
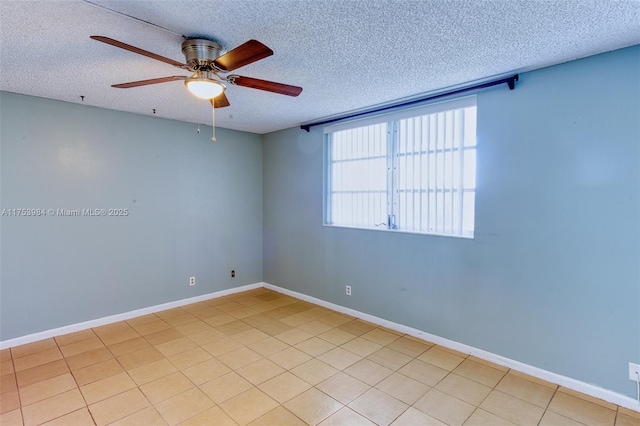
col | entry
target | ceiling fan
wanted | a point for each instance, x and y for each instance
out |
(203, 59)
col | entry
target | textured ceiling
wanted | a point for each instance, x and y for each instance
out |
(347, 55)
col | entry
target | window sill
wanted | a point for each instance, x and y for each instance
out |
(400, 231)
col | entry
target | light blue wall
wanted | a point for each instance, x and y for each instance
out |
(552, 278)
(195, 210)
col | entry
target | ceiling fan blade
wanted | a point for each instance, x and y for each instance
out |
(220, 101)
(147, 82)
(139, 51)
(242, 55)
(269, 86)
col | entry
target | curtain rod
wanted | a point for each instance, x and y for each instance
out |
(510, 81)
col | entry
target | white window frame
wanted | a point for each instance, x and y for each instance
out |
(394, 156)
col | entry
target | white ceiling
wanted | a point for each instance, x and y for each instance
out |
(346, 54)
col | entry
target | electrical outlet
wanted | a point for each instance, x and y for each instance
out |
(348, 290)
(634, 371)
(233, 273)
(192, 281)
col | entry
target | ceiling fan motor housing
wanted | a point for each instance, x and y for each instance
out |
(200, 53)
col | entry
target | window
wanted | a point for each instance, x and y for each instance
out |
(411, 170)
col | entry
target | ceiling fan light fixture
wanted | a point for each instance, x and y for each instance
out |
(203, 87)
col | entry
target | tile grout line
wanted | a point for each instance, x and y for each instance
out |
(17, 387)
(555, 391)
(76, 382)
(483, 399)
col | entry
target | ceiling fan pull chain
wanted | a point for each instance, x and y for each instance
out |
(213, 123)
(198, 109)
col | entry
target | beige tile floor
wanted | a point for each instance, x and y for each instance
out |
(263, 358)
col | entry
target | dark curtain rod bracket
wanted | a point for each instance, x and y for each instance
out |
(510, 81)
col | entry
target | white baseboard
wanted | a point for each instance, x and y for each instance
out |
(22, 340)
(558, 379)
(567, 382)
